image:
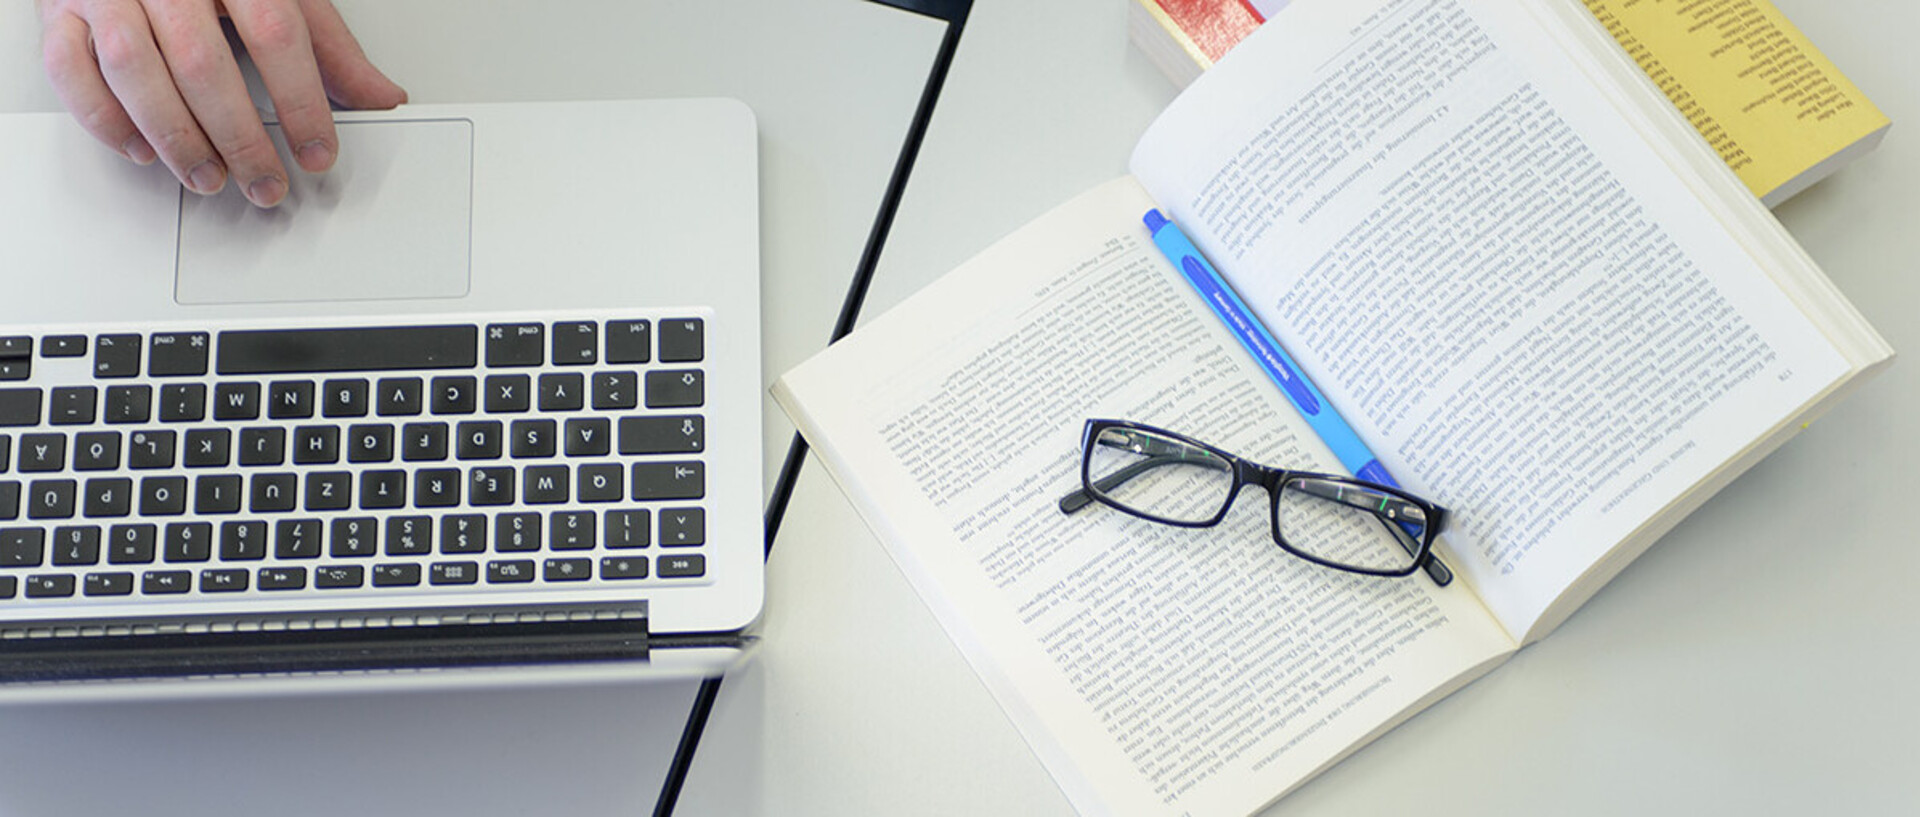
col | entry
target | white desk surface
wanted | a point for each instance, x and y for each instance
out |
(1759, 660)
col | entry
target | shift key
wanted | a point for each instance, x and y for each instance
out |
(672, 434)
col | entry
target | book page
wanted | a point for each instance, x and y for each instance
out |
(1154, 669)
(1507, 290)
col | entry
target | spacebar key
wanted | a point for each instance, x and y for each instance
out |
(374, 348)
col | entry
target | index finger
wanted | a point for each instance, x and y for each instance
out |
(277, 38)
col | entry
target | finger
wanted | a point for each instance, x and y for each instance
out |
(76, 78)
(208, 77)
(350, 78)
(276, 38)
(130, 62)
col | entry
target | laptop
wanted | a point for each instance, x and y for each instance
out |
(479, 406)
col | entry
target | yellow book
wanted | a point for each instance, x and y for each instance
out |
(1774, 107)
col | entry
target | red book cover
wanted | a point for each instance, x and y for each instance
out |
(1213, 26)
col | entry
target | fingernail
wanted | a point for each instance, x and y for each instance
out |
(206, 178)
(137, 149)
(266, 191)
(315, 156)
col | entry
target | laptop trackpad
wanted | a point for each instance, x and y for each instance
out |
(390, 220)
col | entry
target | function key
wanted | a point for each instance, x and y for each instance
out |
(165, 582)
(45, 586)
(516, 344)
(683, 566)
(454, 573)
(682, 340)
(567, 570)
(576, 343)
(8, 587)
(177, 354)
(282, 578)
(109, 584)
(63, 346)
(623, 567)
(116, 356)
(629, 341)
(14, 347)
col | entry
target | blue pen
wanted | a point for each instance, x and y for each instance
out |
(1334, 431)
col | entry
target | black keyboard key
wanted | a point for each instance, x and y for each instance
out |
(623, 567)
(399, 397)
(166, 582)
(454, 573)
(602, 482)
(516, 344)
(76, 545)
(6, 453)
(272, 493)
(290, 400)
(243, 541)
(42, 453)
(515, 532)
(329, 490)
(48, 586)
(563, 391)
(683, 566)
(296, 539)
(354, 536)
(396, 575)
(72, 405)
(282, 578)
(177, 354)
(453, 395)
(224, 580)
(16, 369)
(187, 542)
(14, 347)
(509, 393)
(286, 351)
(108, 584)
(338, 576)
(316, 445)
(116, 356)
(678, 388)
(576, 343)
(478, 439)
(423, 442)
(208, 448)
(132, 544)
(613, 391)
(215, 494)
(491, 486)
(546, 485)
(571, 530)
(510, 571)
(672, 434)
(163, 496)
(345, 398)
(52, 498)
(183, 402)
(129, 404)
(22, 547)
(96, 451)
(9, 500)
(436, 487)
(370, 443)
(567, 570)
(628, 528)
(20, 407)
(9, 587)
(409, 535)
(263, 445)
(382, 490)
(629, 341)
(682, 527)
(236, 401)
(63, 346)
(151, 449)
(669, 480)
(534, 438)
(463, 533)
(682, 340)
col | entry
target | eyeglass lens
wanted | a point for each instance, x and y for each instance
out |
(1349, 524)
(1158, 476)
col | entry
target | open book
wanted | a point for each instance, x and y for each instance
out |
(1530, 286)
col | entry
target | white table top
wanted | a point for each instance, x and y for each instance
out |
(1759, 660)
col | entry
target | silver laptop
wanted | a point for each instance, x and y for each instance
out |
(481, 405)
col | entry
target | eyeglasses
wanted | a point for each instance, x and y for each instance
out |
(1340, 522)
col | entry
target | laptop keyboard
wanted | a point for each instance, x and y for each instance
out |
(490, 455)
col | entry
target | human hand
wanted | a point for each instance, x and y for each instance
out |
(157, 79)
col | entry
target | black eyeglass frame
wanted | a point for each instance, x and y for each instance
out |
(1247, 472)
